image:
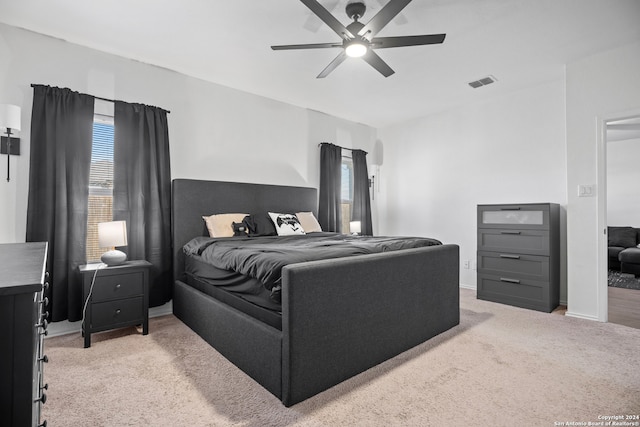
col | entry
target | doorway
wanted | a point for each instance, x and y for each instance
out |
(622, 146)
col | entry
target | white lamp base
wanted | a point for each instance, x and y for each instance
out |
(114, 257)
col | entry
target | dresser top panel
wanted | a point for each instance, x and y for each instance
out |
(22, 267)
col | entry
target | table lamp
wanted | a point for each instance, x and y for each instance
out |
(354, 227)
(110, 235)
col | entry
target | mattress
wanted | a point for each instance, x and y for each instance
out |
(241, 292)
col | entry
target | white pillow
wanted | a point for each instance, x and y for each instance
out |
(308, 222)
(221, 225)
(286, 224)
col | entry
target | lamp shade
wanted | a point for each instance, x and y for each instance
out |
(112, 234)
(9, 116)
(354, 226)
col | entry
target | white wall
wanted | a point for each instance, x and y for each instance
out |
(599, 87)
(623, 183)
(437, 169)
(215, 132)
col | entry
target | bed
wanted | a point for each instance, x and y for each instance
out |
(337, 317)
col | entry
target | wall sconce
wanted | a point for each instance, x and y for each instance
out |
(110, 235)
(10, 120)
(372, 186)
(355, 227)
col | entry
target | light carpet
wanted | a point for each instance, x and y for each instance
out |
(502, 366)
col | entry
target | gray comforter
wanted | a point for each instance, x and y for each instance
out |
(263, 257)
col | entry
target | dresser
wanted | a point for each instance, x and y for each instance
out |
(23, 324)
(115, 297)
(519, 255)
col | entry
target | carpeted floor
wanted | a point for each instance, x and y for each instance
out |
(623, 280)
(502, 366)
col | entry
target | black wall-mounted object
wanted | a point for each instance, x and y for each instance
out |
(15, 145)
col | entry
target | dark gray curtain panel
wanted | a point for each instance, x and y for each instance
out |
(142, 190)
(61, 141)
(329, 205)
(361, 210)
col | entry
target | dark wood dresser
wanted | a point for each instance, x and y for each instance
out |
(519, 255)
(23, 278)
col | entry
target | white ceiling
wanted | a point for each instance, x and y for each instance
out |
(521, 42)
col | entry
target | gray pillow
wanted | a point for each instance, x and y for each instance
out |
(624, 237)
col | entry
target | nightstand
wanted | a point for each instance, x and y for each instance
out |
(120, 297)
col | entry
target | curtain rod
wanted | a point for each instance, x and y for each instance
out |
(104, 99)
(343, 148)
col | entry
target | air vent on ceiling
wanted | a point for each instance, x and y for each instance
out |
(482, 82)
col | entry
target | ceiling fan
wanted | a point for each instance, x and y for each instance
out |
(358, 40)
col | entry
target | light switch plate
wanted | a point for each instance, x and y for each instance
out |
(586, 190)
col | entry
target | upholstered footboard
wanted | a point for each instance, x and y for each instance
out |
(251, 345)
(339, 318)
(343, 316)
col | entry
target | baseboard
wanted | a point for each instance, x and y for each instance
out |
(65, 327)
(581, 316)
(472, 287)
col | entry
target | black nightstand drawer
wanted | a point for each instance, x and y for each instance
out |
(113, 313)
(116, 286)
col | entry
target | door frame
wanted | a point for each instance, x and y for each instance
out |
(601, 123)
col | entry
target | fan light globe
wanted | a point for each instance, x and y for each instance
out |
(356, 50)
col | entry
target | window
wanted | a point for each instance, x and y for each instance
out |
(347, 192)
(100, 183)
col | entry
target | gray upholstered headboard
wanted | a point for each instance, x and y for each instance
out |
(191, 199)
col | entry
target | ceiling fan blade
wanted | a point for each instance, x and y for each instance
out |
(376, 62)
(306, 46)
(328, 18)
(400, 19)
(332, 65)
(382, 18)
(385, 42)
(312, 23)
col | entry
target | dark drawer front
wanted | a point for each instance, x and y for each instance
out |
(521, 266)
(113, 313)
(117, 286)
(533, 217)
(531, 242)
(525, 293)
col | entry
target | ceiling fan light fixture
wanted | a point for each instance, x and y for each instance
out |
(355, 49)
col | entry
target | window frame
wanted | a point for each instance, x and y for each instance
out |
(346, 204)
(95, 193)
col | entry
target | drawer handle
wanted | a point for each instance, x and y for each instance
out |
(42, 324)
(509, 256)
(118, 286)
(510, 232)
(515, 208)
(44, 359)
(503, 279)
(118, 311)
(42, 399)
